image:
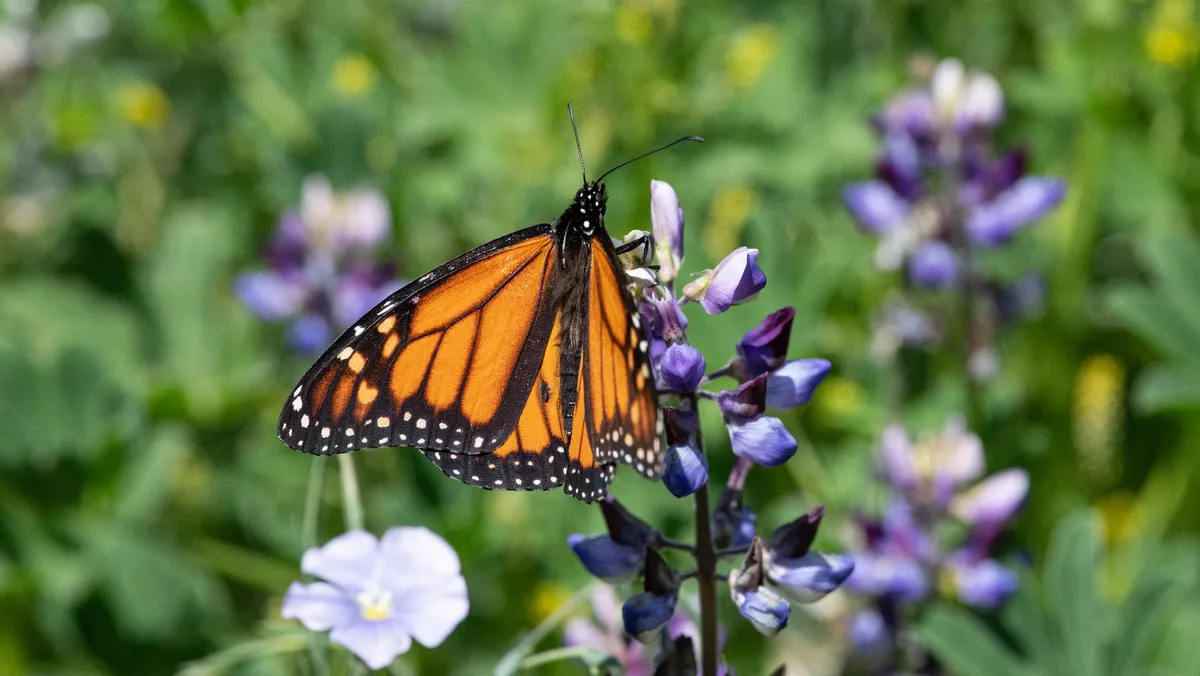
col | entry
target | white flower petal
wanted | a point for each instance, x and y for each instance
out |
(348, 561)
(376, 643)
(319, 606)
(431, 613)
(413, 554)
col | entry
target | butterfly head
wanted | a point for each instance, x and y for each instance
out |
(587, 210)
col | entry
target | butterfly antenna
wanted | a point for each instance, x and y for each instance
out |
(697, 139)
(578, 148)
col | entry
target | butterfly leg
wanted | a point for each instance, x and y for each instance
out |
(646, 241)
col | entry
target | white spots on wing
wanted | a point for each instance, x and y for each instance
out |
(442, 426)
(628, 439)
(403, 437)
(349, 431)
(636, 320)
(641, 467)
(296, 404)
(537, 482)
(439, 440)
(642, 346)
(324, 448)
(407, 416)
(345, 353)
(553, 479)
(474, 478)
(383, 421)
(518, 482)
(304, 420)
(437, 456)
(457, 442)
(456, 472)
(386, 307)
(364, 440)
(657, 444)
(499, 481)
(358, 330)
(325, 432)
(296, 391)
(478, 442)
(420, 423)
(383, 440)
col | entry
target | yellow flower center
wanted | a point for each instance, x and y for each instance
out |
(375, 604)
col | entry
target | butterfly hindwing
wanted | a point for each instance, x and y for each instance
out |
(445, 364)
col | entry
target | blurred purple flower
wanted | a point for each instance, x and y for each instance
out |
(992, 502)
(666, 218)
(320, 273)
(736, 279)
(934, 265)
(876, 206)
(869, 635)
(685, 470)
(379, 595)
(1029, 199)
(682, 368)
(810, 577)
(982, 584)
(892, 576)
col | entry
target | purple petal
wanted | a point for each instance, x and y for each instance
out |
(269, 294)
(793, 383)
(763, 440)
(366, 219)
(376, 643)
(957, 459)
(900, 165)
(432, 612)
(666, 220)
(905, 535)
(415, 554)
(350, 560)
(422, 571)
(747, 401)
(684, 470)
(289, 246)
(810, 577)
(875, 206)
(1026, 201)
(869, 634)
(934, 265)
(767, 611)
(910, 111)
(682, 368)
(991, 503)
(646, 614)
(985, 584)
(896, 458)
(359, 290)
(764, 348)
(792, 540)
(1000, 175)
(319, 606)
(734, 522)
(310, 334)
(736, 279)
(895, 577)
(665, 318)
(606, 559)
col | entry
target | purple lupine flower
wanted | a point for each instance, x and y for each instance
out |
(320, 274)
(666, 218)
(876, 206)
(764, 348)
(618, 555)
(736, 279)
(645, 615)
(992, 502)
(685, 470)
(764, 440)
(892, 576)
(606, 631)
(936, 467)
(793, 384)
(1028, 200)
(767, 611)
(734, 522)
(379, 595)
(801, 574)
(681, 368)
(981, 583)
(869, 635)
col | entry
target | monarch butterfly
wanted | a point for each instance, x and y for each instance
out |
(519, 365)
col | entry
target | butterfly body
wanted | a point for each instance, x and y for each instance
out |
(519, 365)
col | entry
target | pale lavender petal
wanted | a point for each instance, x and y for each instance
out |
(892, 576)
(793, 384)
(349, 561)
(365, 220)
(310, 334)
(377, 643)
(1026, 201)
(269, 294)
(876, 206)
(810, 577)
(319, 606)
(934, 265)
(736, 279)
(896, 458)
(985, 584)
(682, 368)
(992, 502)
(764, 441)
(416, 555)
(666, 220)
(767, 611)
(646, 614)
(981, 104)
(431, 612)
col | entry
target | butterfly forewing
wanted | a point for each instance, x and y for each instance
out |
(447, 363)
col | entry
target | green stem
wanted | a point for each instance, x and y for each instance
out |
(706, 571)
(317, 646)
(351, 499)
(559, 655)
(512, 660)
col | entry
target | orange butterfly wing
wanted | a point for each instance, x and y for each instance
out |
(447, 363)
(616, 417)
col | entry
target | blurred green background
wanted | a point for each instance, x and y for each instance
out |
(150, 518)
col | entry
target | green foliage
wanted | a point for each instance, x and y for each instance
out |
(1063, 622)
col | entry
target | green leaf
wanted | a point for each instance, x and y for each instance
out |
(1174, 259)
(1167, 387)
(964, 645)
(1147, 314)
(1070, 583)
(1025, 617)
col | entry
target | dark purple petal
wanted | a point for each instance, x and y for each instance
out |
(605, 559)
(1026, 201)
(792, 540)
(271, 295)
(733, 521)
(623, 526)
(310, 334)
(764, 441)
(792, 384)
(736, 279)
(934, 265)
(985, 584)
(682, 368)
(903, 533)
(895, 577)
(377, 643)
(911, 112)
(747, 401)
(685, 470)
(810, 577)
(646, 614)
(900, 165)
(875, 206)
(1000, 175)
(319, 606)
(666, 219)
(678, 425)
(764, 347)
(991, 503)
(287, 249)
(767, 611)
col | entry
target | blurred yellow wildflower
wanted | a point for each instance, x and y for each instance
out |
(729, 211)
(353, 75)
(840, 397)
(548, 596)
(143, 104)
(1121, 516)
(752, 50)
(634, 23)
(1173, 36)
(1097, 414)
